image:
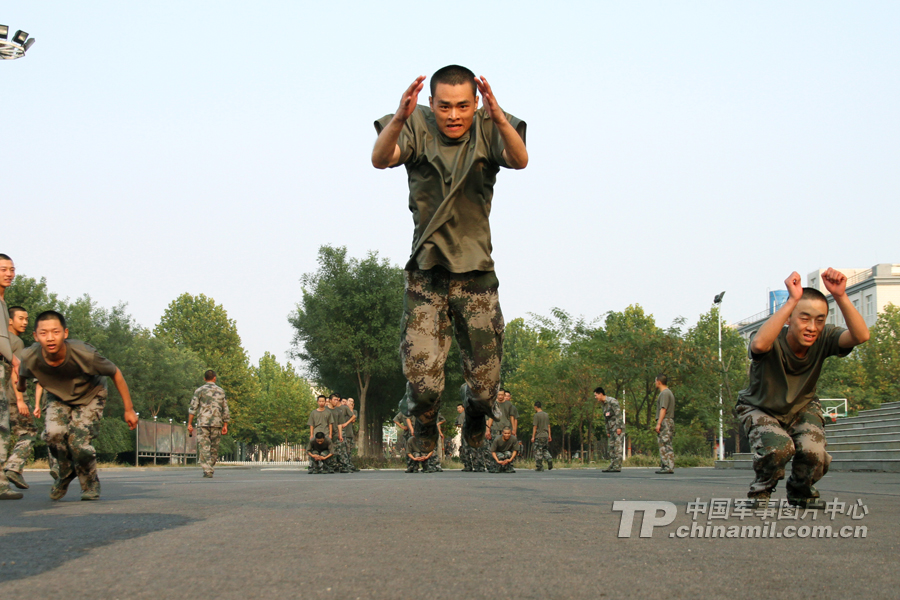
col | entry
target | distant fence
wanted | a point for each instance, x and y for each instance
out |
(252, 454)
(164, 440)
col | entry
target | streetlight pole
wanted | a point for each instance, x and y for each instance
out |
(718, 302)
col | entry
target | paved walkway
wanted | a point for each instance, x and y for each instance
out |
(280, 533)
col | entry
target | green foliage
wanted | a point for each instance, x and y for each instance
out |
(199, 325)
(281, 405)
(347, 329)
(113, 437)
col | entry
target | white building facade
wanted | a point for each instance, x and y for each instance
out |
(870, 291)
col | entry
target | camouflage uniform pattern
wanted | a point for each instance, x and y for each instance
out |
(4, 427)
(208, 448)
(664, 437)
(322, 466)
(436, 305)
(613, 414)
(210, 410)
(24, 428)
(775, 443)
(69, 433)
(542, 452)
(503, 468)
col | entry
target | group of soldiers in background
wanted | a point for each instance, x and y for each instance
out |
(331, 435)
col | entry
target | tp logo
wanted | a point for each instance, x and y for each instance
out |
(650, 519)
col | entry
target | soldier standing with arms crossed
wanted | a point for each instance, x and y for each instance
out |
(211, 409)
(615, 429)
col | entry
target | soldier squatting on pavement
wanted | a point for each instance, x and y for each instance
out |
(615, 429)
(452, 151)
(321, 454)
(210, 408)
(780, 410)
(504, 449)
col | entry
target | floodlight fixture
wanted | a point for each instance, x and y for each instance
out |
(718, 298)
(11, 49)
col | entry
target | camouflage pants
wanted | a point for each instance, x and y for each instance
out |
(774, 444)
(664, 437)
(502, 468)
(24, 428)
(320, 466)
(437, 305)
(69, 432)
(472, 457)
(339, 449)
(349, 446)
(491, 464)
(208, 447)
(4, 428)
(615, 449)
(541, 453)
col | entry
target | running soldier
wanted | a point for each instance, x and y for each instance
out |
(452, 151)
(210, 408)
(665, 425)
(541, 438)
(615, 429)
(73, 375)
(780, 410)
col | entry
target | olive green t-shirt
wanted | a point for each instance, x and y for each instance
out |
(507, 410)
(666, 400)
(499, 445)
(460, 419)
(451, 185)
(319, 420)
(781, 383)
(341, 415)
(78, 380)
(320, 449)
(5, 348)
(541, 420)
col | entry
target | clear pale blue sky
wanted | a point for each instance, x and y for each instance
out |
(677, 149)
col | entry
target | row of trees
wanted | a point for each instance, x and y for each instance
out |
(347, 329)
(163, 366)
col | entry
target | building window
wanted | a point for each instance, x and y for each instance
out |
(870, 305)
(856, 304)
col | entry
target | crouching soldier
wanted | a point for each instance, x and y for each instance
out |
(504, 450)
(321, 454)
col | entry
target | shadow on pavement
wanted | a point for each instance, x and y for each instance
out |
(46, 541)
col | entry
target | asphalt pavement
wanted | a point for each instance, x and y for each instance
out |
(281, 533)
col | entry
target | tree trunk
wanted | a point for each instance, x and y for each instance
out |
(363, 387)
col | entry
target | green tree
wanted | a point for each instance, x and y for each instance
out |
(198, 324)
(282, 403)
(346, 328)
